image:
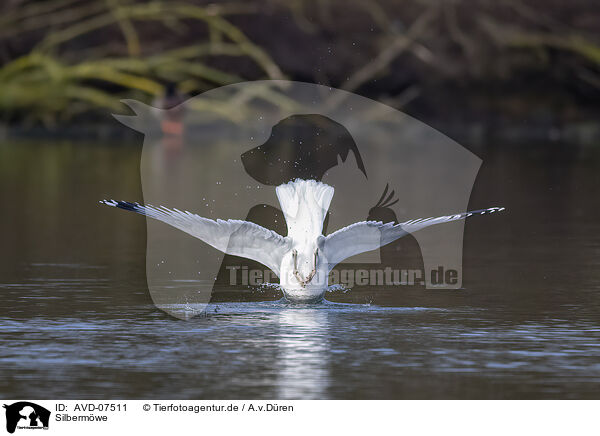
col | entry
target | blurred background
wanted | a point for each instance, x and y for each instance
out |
(510, 67)
(517, 82)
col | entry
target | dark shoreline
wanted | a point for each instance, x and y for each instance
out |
(583, 133)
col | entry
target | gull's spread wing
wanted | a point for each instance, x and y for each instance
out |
(370, 235)
(235, 237)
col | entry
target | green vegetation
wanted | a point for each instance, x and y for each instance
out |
(63, 59)
(49, 82)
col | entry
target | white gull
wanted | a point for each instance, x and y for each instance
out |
(303, 259)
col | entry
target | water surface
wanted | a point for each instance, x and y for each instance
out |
(76, 320)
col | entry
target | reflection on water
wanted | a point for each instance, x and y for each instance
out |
(76, 320)
(303, 353)
(273, 350)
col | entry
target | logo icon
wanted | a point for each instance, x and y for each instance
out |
(26, 415)
(235, 144)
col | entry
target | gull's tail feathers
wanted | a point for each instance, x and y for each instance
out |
(304, 204)
(235, 237)
(369, 235)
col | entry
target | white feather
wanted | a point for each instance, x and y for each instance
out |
(370, 235)
(235, 237)
(304, 252)
(304, 204)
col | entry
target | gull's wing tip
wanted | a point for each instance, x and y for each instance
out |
(495, 209)
(125, 205)
(485, 211)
